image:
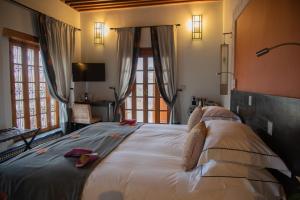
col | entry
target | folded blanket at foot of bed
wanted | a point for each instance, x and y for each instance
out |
(50, 175)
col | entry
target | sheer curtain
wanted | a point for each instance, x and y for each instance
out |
(127, 56)
(57, 42)
(163, 39)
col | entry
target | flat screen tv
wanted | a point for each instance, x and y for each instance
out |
(88, 72)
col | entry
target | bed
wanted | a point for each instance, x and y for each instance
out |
(148, 164)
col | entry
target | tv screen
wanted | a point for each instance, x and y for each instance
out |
(85, 72)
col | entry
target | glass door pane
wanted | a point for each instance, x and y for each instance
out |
(163, 115)
(151, 116)
(140, 116)
(139, 90)
(151, 104)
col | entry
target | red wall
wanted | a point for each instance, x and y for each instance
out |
(265, 23)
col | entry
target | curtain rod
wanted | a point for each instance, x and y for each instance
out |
(35, 11)
(144, 26)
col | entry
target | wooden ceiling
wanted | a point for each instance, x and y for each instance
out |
(89, 5)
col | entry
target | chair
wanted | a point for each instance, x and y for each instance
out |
(82, 114)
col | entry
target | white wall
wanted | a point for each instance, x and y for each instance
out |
(198, 61)
(56, 9)
(59, 10)
(20, 19)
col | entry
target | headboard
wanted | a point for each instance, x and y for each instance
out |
(279, 115)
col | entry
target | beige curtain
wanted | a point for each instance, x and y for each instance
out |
(57, 41)
(163, 39)
(127, 55)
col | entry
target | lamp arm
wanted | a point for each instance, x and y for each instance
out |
(285, 44)
(266, 50)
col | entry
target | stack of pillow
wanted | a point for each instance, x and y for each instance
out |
(198, 131)
(217, 135)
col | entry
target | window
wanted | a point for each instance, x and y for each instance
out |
(32, 106)
(145, 103)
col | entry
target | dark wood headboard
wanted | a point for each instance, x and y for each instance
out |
(283, 116)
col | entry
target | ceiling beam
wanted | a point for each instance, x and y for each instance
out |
(95, 1)
(132, 2)
(88, 5)
(111, 2)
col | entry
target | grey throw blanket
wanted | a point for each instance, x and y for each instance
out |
(50, 175)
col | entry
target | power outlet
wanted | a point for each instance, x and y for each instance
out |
(250, 101)
(233, 83)
(238, 109)
(183, 87)
(270, 127)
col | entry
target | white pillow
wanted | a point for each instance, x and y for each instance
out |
(233, 170)
(195, 117)
(218, 113)
(245, 182)
(194, 146)
(235, 142)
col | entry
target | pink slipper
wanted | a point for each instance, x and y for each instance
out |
(130, 122)
(85, 159)
(77, 152)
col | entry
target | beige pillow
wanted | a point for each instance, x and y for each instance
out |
(195, 117)
(194, 146)
(218, 113)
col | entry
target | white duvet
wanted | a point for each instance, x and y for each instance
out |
(148, 166)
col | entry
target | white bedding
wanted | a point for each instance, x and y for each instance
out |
(148, 166)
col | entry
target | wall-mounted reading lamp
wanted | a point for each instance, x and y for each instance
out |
(267, 50)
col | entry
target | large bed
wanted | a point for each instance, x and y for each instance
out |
(148, 164)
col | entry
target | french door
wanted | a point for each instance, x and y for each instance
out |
(145, 103)
(32, 106)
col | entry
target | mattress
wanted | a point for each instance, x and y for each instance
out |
(148, 165)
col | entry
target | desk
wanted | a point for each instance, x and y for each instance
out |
(101, 103)
(13, 133)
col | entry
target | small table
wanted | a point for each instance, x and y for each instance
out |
(13, 133)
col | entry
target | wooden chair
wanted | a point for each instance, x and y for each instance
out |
(82, 114)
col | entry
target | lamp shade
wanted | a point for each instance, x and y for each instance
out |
(262, 52)
(197, 27)
(99, 33)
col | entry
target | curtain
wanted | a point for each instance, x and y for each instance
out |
(165, 59)
(57, 42)
(127, 57)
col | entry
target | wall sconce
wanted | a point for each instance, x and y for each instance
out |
(99, 33)
(197, 27)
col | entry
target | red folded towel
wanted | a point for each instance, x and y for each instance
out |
(130, 122)
(77, 152)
